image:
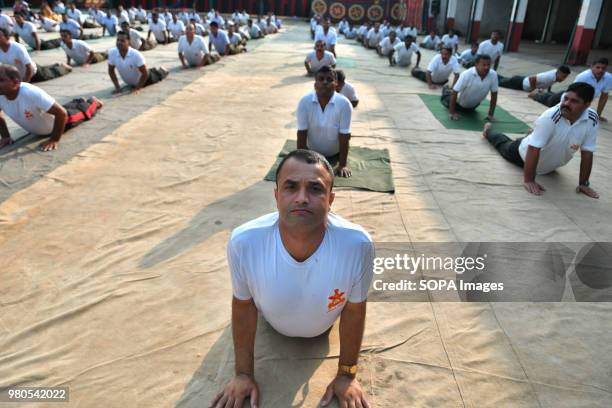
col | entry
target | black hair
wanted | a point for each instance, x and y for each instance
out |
(326, 69)
(602, 60)
(584, 91)
(308, 157)
(66, 32)
(482, 57)
(5, 32)
(340, 77)
(565, 69)
(449, 49)
(214, 24)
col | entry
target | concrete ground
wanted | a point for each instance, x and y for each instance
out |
(114, 278)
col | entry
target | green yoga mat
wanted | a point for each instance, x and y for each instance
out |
(371, 168)
(504, 121)
(342, 62)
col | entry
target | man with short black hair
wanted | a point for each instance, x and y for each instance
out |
(557, 135)
(493, 48)
(131, 66)
(600, 80)
(468, 57)
(137, 41)
(79, 51)
(438, 70)
(386, 46)
(345, 88)
(471, 89)
(318, 58)
(328, 36)
(324, 120)
(308, 256)
(402, 53)
(543, 80)
(192, 49)
(74, 27)
(159, 30)
(450, 40)
(431, 42)
(38, 113)
(27, 32)
(219, 39)
(374, 37)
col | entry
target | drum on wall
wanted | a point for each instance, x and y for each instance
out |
(398, 11)
(337, 11)
(319, 7)
(356, 12)
(375, 12)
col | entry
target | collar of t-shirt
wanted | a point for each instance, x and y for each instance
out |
(315, 98)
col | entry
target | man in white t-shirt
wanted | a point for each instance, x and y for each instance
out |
(557, 135)
(350, 32)
(533, 83)
(6, 22)
(471, 89)
(38, 113)
(402, 53)
(159, 30)
(468, 57)
(74, 13)
(343, 87)
(300, 268)
(328, 36)
(388, 44)
(131, 66)
(69, 24)
(192, 49)
(324, 121)
(219, 39)
(374, 37)
(176, 27)
(110, 24)
(79, 51)
(493, 48)
(254, 30)
(600, 80)
(438, 70)
(237, 43)
(431, 42)
(26, 31)
(318, 58)
(450, 40)
(137, 41)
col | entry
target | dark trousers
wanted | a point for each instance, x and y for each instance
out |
(99, 57)
(50, 44)
(507, 148)
(445, 101)
(90, 37)
(48, 72)
(148, 45)
(516, 82)
(549, 99)
(89, 24)
(156, 74)
(79, 110)
(421, 75)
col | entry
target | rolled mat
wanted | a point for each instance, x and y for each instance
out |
(504, 121)
(371, 168)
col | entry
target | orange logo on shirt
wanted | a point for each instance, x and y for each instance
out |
(27, 114)
(335, 300)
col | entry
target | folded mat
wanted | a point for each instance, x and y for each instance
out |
(504, 121)
(371, 168)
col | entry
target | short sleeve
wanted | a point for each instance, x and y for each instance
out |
(140, 60)
(308, 57)
(590, 142)
(111, 58)
(334, 39)
(480, 48)
(240, 286)
(332, 59)
(542, 133)
(43, 100)
(455, 65)
(181, 45)
(461, 82)
(345, 118)
(302, 113)
(433, 63)
(363, 274)
(204, 47)
(24, 56)
(608, 86)
(397, 47)
(494, 81)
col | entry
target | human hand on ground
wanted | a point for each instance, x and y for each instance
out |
(343, 171)
(49, 145)
(534, 188)
(453, 116)
(236, 391)
(5, 141)
(587, 191)
(347, 390)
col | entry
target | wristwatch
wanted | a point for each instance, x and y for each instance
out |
(585, 183)
(347, 369)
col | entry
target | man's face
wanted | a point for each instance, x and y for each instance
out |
(66, 38)
(376, 27)
(320, 46)
(494, 36)
(598, 70)
(408, 41)
(325, 84)
(19, 19)
(392, 36)
(572, 105)
(303, 194)
(123, 43)
(7, 85)
(155, 17)
(189, 31)
(445, 54)
(561, 76)
(3, 40)
(174, 18)
(483, 66)
(474, 48)
(432, 34)
(214, 29)
(125, 27)
(64, 17)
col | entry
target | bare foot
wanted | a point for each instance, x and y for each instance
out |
(99, 102)
(532, 94)
(485, 129)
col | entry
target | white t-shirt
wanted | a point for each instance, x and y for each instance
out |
(300, 299)
(431, 42)
(492, 50)
(349, 92)
(330, 38)
(235, 38)
(29, 109)
(158, 29)
(79, 52)
(128, 66)
(544, 80)
(467, 56)
(472, 89)
(374, 38)
(254, 31)
(450, 42)
(350, 33)
(386, 45)
(440, 71)
(316, 64)
(49, 25)
(26, 33)
(603, 85)
(135, 39)
(324, 126)
(219, 41)
(177, 29)
(403, 55)
(194, 52)
(17, 56)
(111, 23)
(6, 22)
(559, 140)
(71, 26)
(74, 14)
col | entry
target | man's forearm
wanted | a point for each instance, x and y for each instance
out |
(59, 123)
(603, 98)
(428, 78)
(493, 103)
(343, 141)
(244, 327)
(352, 324)
(143, 79)
(531, 163)
(4, 132)
(302, 136)
(28, 74)
(113, 77)
(452, 104)
(418, 59)
(586, 164)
